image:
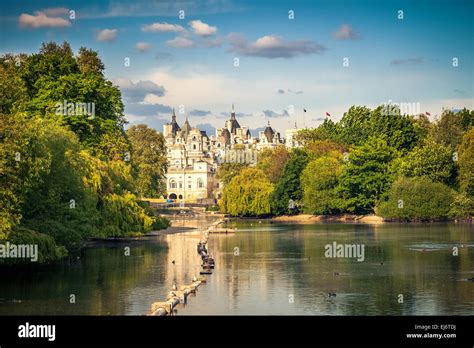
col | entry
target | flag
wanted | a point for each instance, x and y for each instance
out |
(328, 114)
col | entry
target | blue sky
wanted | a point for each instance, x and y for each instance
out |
(284, 64)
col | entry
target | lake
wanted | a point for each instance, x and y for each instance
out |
(264, 268)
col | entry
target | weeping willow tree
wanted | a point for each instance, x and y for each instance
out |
(248, 194)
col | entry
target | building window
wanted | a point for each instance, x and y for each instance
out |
(172, 184)
(180, 184)
(199, 182)
(194, 147)
(189, 186)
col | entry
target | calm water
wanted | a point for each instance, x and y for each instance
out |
(276, 263)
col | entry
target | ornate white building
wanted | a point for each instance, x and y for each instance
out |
(193, 156)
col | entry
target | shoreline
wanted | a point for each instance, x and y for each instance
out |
(302, 219)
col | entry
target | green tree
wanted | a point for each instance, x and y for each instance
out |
(89, 61)
(367, 175)
(227, 171)
(149, 159)
(354, 126)
(466, 163)
(328, 130)
(272, 161)
(416, 199)
(449, 129)
(319, 148)
(432, 160)
(289, 186)
(396, 129)
(59, 204)
(21, 165)
(319, 181)
(247, 194)
(55, 77)
(462, 206)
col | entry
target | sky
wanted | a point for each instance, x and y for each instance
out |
(271, 59)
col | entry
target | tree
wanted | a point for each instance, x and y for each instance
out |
(360, 122)
(367, 175)
(462, 206)
(432, 160)
(89, 61)
(328, 130)
(227, 171)
(149, 159)
(39, 83)
(466, 163)
(289, 186)
(416, 199)
(354, 126)
(396, 129)
(319, 181)
(64, 177)
(13, 94)
(247, 194)
(319, 148)
(20, 166)
(272, 161)
(449, 129)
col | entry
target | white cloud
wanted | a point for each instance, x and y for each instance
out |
(345, 32)
(137, 91)
(163, 28)
(44, 19)
(143, 46)
(106, 35)
(180, 42)
(202, 29)
(272, 46)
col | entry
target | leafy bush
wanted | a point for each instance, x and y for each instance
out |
(160, 223)
(462, 207)
(416, 199)
(48, 250)
(122, 215)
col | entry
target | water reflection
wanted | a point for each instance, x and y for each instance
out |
(280, 269)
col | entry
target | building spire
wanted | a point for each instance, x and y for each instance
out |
(173, 117)
(232, 114)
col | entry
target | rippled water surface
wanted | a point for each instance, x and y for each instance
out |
(279, 269)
